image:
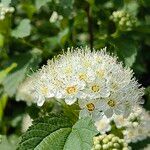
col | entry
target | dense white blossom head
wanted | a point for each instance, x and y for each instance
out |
(94, 79)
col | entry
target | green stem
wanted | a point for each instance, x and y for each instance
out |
(90, 26)
(116, 34)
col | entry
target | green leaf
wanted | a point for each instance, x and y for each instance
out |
(22, 30)
(131, 59)
(30, 9)
(13, 80)
(71, 111)
(4, 72)
(8, 143)
(141, 144)
(3, 101)
(143, 29)
(67, 3)
(40, 3)
(126, 50)
(63, 36)
(1, 40)
(145, 3)
(56, 132)
(81, 136)
(49, 132)
(132, 7)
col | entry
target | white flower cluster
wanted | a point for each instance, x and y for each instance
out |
(95, 79)
(137, 125)
(123, 19)
(4, 10)
(55, 17)
(109, 142)
(134, 128)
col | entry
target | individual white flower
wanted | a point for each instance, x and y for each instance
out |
(96, 88)
(90, 108)
(70, 89)
(120, 121)
(135, 134)
(43, 88)
(114, 104)
(103, 125)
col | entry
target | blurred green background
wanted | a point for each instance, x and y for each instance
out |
(38, 30)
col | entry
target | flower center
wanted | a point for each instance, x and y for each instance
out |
(111, 103)
(114, 86)
(82, 76)
(86, 63)
(71, 90)
(90, 106)
(95, 88)
(68, 70)
(100, 73)
(44, 90)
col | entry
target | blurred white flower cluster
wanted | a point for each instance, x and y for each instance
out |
(137, 125)
(24, 91)
(26, 123)
(55, 16)
(123, 19)
(94, 79)
(109, 142)
(4, 10)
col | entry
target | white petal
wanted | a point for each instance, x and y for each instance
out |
(118, 111)
(58, 95)
(50, 95)
(109, 112)
(97, 115)
(70, 101)
(105, 92)
(101, 104)
(83, 113)
(40, 101)
(83, 102)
